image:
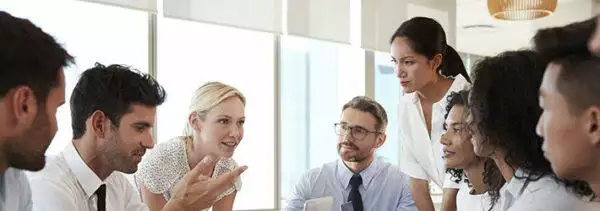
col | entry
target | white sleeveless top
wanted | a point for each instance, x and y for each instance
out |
(167, 163)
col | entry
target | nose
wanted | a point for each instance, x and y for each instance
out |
(236, 131)
(539, 128)
(444, 139)
(148, 141)
(398, 70)
(347, 137)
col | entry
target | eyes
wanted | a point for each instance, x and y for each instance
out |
(456, 128)
(406, 61)
(225, 121)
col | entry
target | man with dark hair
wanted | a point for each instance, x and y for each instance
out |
(570, 99)
(32, 87)
(113, 110)
(358, 179)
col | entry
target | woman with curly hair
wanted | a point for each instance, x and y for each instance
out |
(504, 110)
(461, 161)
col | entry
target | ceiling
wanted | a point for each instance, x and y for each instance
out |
(478, 33)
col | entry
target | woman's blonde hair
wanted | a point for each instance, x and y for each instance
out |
(206, 98)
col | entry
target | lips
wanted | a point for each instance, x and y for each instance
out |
(448, 154)
(348, 147)
(230, 144)
(404, 83)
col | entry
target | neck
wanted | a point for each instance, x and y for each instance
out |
(475, 175)
(195, 154)
(3, 163)
(91, 154)
(357, 167)
(594, 180)
(506, 171)
(435, 91)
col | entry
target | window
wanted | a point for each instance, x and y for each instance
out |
(317, 78)
(90, 35)
(191, 54)
(387, 93)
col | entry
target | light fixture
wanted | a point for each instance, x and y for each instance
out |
(517, 10)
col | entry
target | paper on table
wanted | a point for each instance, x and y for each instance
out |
(319, 204)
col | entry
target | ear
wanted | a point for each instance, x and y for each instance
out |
(380, 140)
(436, 61)
(23, 106)
(194, 121)
(593, 124)
(100, 124)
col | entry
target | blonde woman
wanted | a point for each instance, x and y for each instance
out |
(215, 126)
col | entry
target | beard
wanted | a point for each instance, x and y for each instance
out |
(357, 156)
(117, 155)
(27, 151)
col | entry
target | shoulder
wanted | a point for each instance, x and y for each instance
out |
(55, 171)
(163, 166)
(16, 180)
(17, 191)
(393, 173)
(547, 192)
(318, 173)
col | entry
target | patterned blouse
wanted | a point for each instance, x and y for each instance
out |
(167, 163)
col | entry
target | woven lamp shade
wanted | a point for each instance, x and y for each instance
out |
(516, 10)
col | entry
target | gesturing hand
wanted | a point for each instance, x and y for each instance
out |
(197, 191)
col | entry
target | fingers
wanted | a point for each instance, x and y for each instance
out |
(202, 166)
(226, 181)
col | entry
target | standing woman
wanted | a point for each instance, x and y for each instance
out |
(429, 70)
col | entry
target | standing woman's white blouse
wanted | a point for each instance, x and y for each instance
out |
(167, 163)
(421, 155)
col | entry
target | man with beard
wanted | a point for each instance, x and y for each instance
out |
(113, 111)
(358, 178)
(32, 87)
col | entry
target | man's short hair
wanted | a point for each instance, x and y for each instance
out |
(111, 89)
(366, 104)
(566, 46)
(29, 57)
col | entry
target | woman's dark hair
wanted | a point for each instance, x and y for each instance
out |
(427, 37)
(504, 106)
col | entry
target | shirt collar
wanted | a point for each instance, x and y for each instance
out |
(344, 174)
(513, 187)
(457, 85)
(88, 180)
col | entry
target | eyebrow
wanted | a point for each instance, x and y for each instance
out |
(457, 123)
(356, 126)
(228, 117)
(142, 124)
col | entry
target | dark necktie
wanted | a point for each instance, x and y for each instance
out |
(354, 195)
(101, 193)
